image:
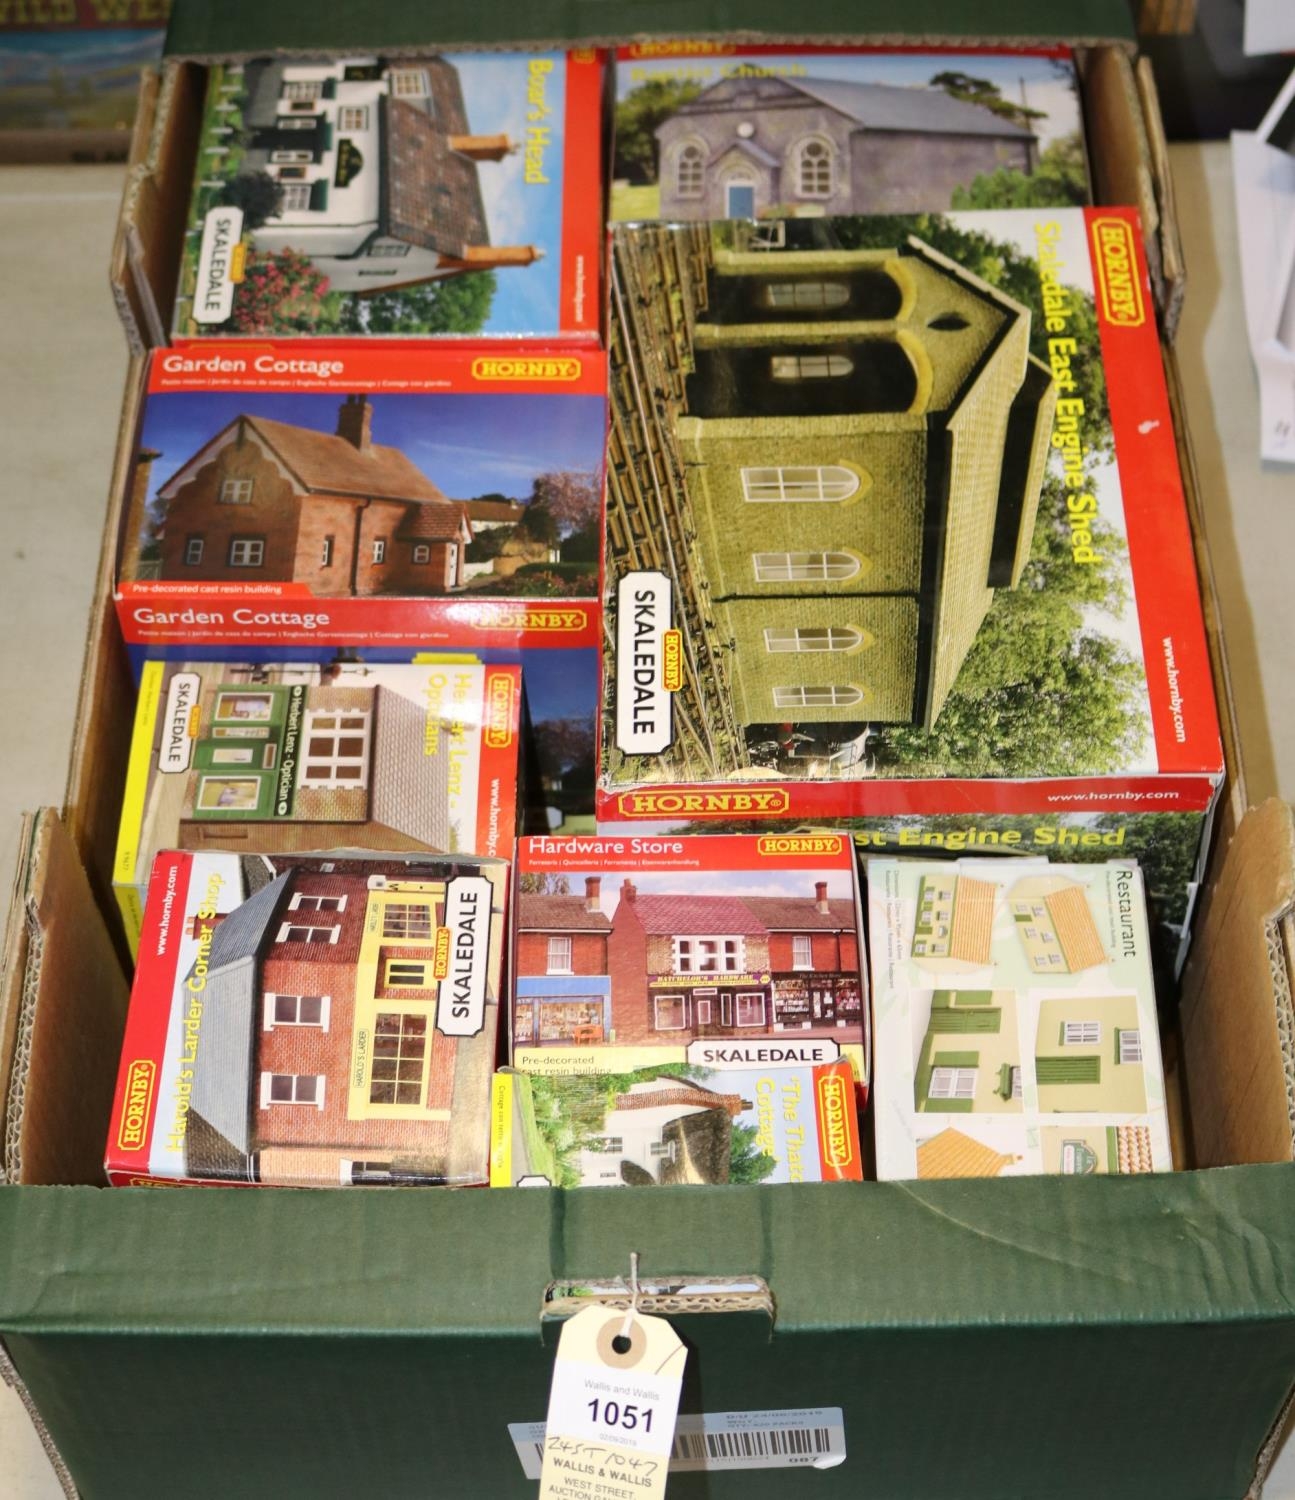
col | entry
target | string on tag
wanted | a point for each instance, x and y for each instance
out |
(634, 1297)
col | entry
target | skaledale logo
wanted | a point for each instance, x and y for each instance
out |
(1115, 262)
(551, 370)
(137, 1106)
(834, 1121)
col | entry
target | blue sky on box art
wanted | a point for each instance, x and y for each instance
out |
(518, 212)
(467, 445)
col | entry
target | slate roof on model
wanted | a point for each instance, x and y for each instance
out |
(226, 1038)
(536, 913)
(884, 106)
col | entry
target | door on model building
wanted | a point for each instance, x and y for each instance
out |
(741, 200)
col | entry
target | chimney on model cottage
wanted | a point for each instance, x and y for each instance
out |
(355, 422)
(483, 147)
(820, 897)
(494, 257)
(593, 892)
(629, 891)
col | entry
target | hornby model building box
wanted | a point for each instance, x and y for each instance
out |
(366, 495)
(281, 758)
(672, 1125)
(414, 195)
(707, 130)
(922, 550)
(722, 952)
(1015, 1017)
(311, 1022)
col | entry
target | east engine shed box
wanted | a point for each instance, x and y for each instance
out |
(902, 545)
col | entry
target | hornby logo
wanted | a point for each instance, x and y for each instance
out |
(773, 845)
(554, 370)
(524, 617)
(769, 803)
(834, 1107)
(672, 661)
(238, 263)
(441, 954)
(1116, 264)
(138, 1104)
(499, 712)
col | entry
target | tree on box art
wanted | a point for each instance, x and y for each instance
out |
(458, 304)
(637, 118)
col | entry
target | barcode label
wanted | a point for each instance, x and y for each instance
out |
(813, 1437)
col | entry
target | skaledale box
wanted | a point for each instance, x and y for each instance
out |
(903, 546)
(707, 130)
(1015, 1015)
(372, 494)
(273, 758)
(302, 1021)
(675, 1125)
(414, 195)
(721, 952)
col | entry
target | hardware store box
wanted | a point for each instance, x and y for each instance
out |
(1099, 1299)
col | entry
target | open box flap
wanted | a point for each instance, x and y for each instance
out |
(1238, 1029)
(204, 29)
(62, 1011)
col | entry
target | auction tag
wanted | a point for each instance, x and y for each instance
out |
(612, 1407)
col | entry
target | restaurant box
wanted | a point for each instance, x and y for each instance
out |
(1016, 1024)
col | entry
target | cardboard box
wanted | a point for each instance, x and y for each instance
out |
(417, 195)
(375, 1070)
(926, 569)
(706, 131)
(683, 1127)
(725, 952)
(1016, 1020)
(185, 1298)
(272, 759)
(368, 495)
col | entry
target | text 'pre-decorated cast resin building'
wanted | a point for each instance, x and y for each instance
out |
(726, 946)
(312, 1022)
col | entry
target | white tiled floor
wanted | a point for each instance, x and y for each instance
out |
(60, 386)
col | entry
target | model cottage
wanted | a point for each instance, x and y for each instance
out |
(323, 1052)
(753, 146)
(337, 512)
(672, 969)
(376, 168)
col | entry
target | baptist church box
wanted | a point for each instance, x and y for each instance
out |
(175, 1338)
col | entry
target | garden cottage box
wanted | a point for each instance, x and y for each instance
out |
(275, 758)
(415, 195)
(721, 952)
(302, 1021)
(366, 495)
(707, 130)
(1015, 1016)
(924, 566)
